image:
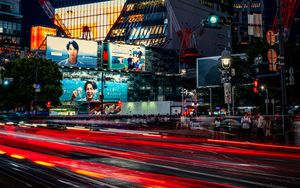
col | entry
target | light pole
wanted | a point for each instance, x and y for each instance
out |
(226, 76)
(263, 88)
(210, 102)
(233, 112)
(282, 64)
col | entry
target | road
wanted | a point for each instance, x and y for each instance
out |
(39, 157)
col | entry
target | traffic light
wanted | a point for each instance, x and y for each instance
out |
(49, 104)
(215, 21)
(7, 81)
(119, 103)
(255, 86)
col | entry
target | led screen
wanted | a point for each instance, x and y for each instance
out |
(112, 91)
(126, 57)
(208, 73)
(38, 37)
(72, 52)
(73, 84)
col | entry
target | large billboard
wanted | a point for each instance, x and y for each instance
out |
(38, 37)
(86, 85)
(124, 57)
(72, 52)
(208, 74)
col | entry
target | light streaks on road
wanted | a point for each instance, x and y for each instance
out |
(186, 162)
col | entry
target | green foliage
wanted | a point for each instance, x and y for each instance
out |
(21, 93)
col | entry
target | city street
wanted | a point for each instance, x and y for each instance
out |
(41, 157)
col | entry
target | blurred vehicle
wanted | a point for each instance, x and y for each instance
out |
(231, 123)
(6, 120)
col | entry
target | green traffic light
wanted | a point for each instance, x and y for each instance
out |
(213, 19)
(6, 82)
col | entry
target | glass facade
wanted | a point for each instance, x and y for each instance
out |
(10, 26)
(141, 23)
(242, 9)
(90, 21)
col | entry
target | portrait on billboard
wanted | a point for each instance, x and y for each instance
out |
(88, 89)
(72, 52)
(126, 57)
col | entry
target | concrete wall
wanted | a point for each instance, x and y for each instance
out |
(149, 107)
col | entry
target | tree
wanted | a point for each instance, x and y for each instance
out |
(21, 93)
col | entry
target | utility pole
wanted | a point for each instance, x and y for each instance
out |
(102, 92)
(282, 64)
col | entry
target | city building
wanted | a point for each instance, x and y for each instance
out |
(171, 31)
(248, 20)
(10, 27)
(172, 24)
(88, 19)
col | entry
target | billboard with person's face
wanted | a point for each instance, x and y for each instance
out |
(86, 85)
(72, 52)
(124, 57)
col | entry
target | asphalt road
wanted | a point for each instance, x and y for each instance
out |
(116, 158)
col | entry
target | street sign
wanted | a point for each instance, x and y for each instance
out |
(272, 58)
(271, 38)
(36, 86)
(227, 93)
(267, 101)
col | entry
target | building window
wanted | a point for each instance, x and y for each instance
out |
(5, 8)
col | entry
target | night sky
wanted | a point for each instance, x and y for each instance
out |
(33, 15)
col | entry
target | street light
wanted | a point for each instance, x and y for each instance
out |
(226, 59)
(263, 88)
(226, 76)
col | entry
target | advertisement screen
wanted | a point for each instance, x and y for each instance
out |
(38, 37)
(72, 52)
(86, 85)
(126, 57)
(208, 74)
(112, 91)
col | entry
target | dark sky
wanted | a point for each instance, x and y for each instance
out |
(33, 15)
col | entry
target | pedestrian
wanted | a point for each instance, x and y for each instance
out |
(246, 125)
(268, 128)
(217, 123)
(260, 127)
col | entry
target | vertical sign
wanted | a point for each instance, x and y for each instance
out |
(227, 93)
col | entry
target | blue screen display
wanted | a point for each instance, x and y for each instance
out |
(113, 91)
(72, 52)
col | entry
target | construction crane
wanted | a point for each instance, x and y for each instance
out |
(188, 49)
(288, 10)
(56, 20)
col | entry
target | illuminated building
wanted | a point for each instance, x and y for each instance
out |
(10, 26)
(171, 24)
(88, 19)
(38, 37)
(242, 32)
(161, 25)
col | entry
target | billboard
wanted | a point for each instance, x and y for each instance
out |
(124, 57)
(72, 52)
(38, 37)
(208, 74)
(113, 91)
(75, 86)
